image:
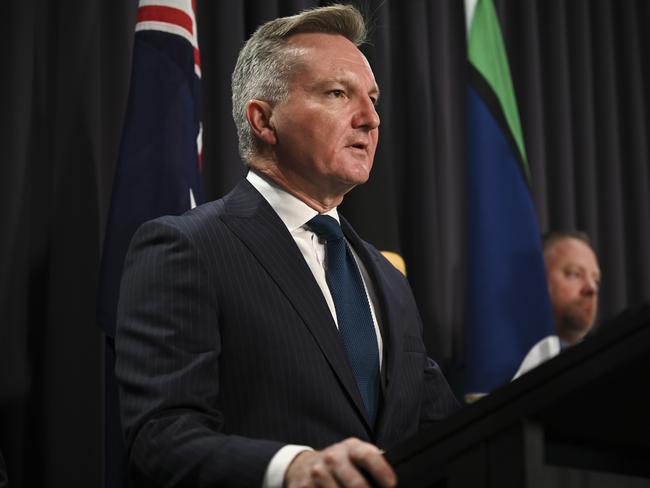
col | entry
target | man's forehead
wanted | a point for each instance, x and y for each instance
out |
(331, 51)
(334, 45)
(572, 250)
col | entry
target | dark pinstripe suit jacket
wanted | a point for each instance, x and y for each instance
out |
(226, 349)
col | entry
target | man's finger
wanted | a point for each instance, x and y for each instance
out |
(371, 460)
(346, 472)
(321, 475)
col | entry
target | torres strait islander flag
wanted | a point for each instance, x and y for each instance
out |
(509, 325)
(159, 166)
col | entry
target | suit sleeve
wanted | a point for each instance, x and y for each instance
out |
(168, 346)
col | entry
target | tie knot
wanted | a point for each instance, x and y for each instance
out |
(326, 227)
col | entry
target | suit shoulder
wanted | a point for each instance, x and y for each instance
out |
(192, 222)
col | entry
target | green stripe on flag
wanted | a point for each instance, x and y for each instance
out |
(487, 53)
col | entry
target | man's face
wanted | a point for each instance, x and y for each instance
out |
(573, 281)
(327, 129)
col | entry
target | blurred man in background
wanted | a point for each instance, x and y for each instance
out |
(573, 278)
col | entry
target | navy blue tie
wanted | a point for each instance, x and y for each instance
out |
(352, 310)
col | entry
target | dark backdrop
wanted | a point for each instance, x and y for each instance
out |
(580, 70)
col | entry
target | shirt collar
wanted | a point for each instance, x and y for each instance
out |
(291, 210)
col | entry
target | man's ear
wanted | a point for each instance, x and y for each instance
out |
(258, 113)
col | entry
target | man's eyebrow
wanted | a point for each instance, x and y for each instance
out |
(347, 82)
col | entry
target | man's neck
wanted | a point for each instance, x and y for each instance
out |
(321, 203)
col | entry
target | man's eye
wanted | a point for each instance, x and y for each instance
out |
(571, 273)
(337, 93)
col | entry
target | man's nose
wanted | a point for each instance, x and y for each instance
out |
(590, 287)
(366, 116)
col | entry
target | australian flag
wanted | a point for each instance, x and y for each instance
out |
(159, 167)
(158, 171)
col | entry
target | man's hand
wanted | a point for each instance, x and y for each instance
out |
(340, 465)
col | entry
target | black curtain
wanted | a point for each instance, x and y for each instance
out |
(580, 71)
(64, 82)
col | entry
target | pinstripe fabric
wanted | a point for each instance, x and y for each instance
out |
(226, 349)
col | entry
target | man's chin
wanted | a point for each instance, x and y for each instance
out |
(579, 323)
(355, 179)
(356, 168)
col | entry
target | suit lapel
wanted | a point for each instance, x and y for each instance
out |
(251, 218)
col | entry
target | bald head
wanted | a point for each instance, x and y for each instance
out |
(573, 278)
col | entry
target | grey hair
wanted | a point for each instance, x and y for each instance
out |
(267, 61)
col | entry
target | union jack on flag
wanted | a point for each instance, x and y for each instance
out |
(171, 16)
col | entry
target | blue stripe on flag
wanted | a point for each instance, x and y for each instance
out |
(507, 307)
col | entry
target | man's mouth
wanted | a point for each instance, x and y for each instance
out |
(359, 145)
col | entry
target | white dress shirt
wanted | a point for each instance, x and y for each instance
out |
(295, 214)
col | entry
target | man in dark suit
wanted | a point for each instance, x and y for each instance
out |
(241, 356)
